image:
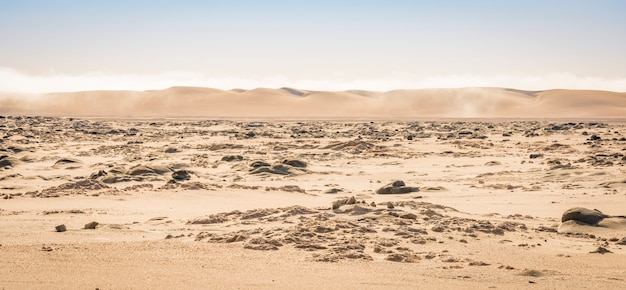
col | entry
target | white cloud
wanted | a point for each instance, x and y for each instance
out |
(14, 81)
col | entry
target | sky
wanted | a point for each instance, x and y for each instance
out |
(66, 45)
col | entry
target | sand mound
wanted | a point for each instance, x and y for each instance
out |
(82, 187)
(67, 163)
(141, 170)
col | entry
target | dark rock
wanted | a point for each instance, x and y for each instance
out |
(91, 225)
(536, 155)
(344, 201)
(396, 187)
(16, 149)
(6, 161)
(98, 174)
(231, 158)
(60, 228)
(257, 164)
(67, 161)
(295, 163)
(601, 250)
(583, 215)
(170, 150)
(181, 175)
(281, 169)
(409, 216)
(333, 191)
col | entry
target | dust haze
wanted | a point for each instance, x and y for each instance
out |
(297, 103)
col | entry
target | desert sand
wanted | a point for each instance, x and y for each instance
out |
(295, 103)
(318, 196)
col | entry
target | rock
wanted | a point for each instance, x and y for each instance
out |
(181, 175)
(536, 155)
(402, 258)
(60, 228)
(16, 149)
(281, 169)
(91, 225)
(583, 215)
(65, 161)
(408, 216)
(170, 150)
(231, 158)
(295, 163)
(333, 191)
(6, 161)
(493, 163)
(98, 174)
(396, 187)
(344, 201)
(257, 164)
(601, 250)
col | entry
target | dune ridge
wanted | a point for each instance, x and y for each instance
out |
(292, 102)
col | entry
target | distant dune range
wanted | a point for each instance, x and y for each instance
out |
(294, 103)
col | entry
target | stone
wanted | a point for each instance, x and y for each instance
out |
(583, 215)
(408, 216)
(295, 163)
(91, 225)
(257, 164)
(181, 175)
(60, 228)
(231, 158)
(6, 161)
(171, 150)
(601, 250)
(97, 175)
(396, 187)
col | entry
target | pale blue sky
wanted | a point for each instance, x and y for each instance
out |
(323, 43)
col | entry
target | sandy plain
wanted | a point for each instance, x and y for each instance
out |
(312, 204)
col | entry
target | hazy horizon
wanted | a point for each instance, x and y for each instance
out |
(369, 45)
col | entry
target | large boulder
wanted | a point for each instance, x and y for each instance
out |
(583, 215)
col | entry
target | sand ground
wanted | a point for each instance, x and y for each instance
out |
(293, 204)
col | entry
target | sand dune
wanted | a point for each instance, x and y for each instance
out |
(294, 103)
